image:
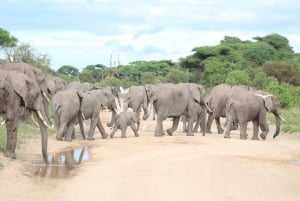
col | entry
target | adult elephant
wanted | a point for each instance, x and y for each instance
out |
(174, 100)
(252, 106)
(216, 102)
(137, 99)
(66, 109)
(34, 73)
(18, 90)
(81, 86)
(91, 104)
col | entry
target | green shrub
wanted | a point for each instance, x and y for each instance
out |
(110, 81)
(238, 77)
(176, 76)
(288, 95)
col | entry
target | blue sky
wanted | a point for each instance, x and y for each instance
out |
(83, 32)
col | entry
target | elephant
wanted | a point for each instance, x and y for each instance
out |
(115, 92)
(252, 106)
(174, 100)
(198, 115)
(216, 102)
(91, 104)
(137, 98)
(17, 91)
(66, 109)
(54, 84)
(122, 121)
(81, 86)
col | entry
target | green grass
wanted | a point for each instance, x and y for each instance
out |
(292, 117)
(26, 130)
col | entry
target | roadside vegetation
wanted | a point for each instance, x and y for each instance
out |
(265, 62)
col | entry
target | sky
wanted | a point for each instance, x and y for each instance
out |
(84, 32)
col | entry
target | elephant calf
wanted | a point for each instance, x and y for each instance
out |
(122, 121)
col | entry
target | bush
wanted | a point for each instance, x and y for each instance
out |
(262, 80)
(110, 81)
(238, 77)
(288, 95)
(176, 76)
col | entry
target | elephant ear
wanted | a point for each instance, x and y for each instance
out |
(22, 86)
(195, 92)
(269, 103)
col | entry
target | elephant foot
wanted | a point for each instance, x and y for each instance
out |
(243, 137)
(169, 132)
(10, 154)
(190, 134)
(68, 139)
(136, 135)
(221, 131)
(104, 136)
(58, 137)
(227, 136)
(123, 136)
(255, 138)
(158, 135)
(109, 124)
(90, 138)
(263, 136)
(111, 136)
(209, 132)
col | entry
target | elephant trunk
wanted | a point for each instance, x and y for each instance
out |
(278, 121)
(44, 137)
(146, 115)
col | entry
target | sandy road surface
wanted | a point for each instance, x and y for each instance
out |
(163, 168)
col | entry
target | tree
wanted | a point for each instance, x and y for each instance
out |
(176, 75)
(6, 39)
(238, 77)
(68, 70)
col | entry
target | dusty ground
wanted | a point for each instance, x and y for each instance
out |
(162, 168)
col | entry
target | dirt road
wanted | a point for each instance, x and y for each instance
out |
(173, 168)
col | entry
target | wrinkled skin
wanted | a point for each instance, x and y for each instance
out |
(115, 93)
(18, 91)
(65, 106)
(137, 99)
(251, 106)
(34, 73)
(216, 102)
(91, 104)
(122, 121)
(198, 116)
(174, 100)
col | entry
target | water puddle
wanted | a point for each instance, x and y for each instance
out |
(296, 162)
(60, 165)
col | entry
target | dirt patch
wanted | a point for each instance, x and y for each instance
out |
(161, 168)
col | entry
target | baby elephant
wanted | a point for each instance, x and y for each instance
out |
(124, 119)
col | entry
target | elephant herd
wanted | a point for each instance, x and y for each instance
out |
(25, 89)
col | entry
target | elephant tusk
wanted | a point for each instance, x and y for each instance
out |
(82, 115)
(41, 117)
(206, 105)
(3, 122)
(45, 95)
(282, 118)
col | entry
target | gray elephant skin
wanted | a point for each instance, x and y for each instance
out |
(66, 106)
(122, 121)
(137, 99)
(174, 100)
(18, 90)
(252, 106)
(216, 102)
(91, 104)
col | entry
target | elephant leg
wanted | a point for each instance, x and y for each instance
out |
(70, 128)
(190, 128)
(101, 130)
(94, 121)
(61, 131)
(174, 126)
(219, 127)
(123, 131)
(255, 130)
(197, 125)
(133, 128)
(264, 128)
(243, 130)
(209, 122)
(159, 128)
(73, 134)
(112, 119)
(80, 121)
(183, 119)
(12, 129)
(228, 126)
(113, 132)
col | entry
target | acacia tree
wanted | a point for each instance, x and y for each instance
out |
(7, 42)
